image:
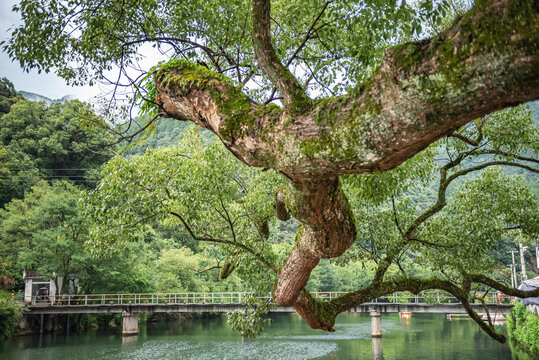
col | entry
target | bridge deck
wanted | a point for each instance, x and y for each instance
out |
(217, 308)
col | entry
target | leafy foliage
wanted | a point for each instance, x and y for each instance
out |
(46, 232)
(202, 189)
(8, 96)
(457, 228)
(453, 231)
(59, 141)
(9, 314)
(331, 45)
(523, 326)
(165, 132)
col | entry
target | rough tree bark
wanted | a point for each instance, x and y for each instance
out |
(486, 61)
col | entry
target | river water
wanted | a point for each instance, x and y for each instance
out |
(424, 336)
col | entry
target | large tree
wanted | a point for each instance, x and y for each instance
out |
(362, 87)
(45, 232)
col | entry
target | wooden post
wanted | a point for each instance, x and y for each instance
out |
(55, 323)
(130, 323)
(376, 324)
(41, 320)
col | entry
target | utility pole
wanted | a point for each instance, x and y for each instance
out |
(513, 269)
(523, 274)
(537, 256)
(512, 277)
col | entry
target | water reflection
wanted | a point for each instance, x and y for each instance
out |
(288, 338)
(129, 340)
(377, 353)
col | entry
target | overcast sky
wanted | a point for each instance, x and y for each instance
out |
(48, 84)
(44, 84)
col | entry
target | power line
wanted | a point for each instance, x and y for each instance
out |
(76, 181)
(46, 176)
(58, 169)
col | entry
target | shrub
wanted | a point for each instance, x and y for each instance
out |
(9, 315)
(523, 327)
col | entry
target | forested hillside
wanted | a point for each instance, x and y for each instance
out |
(50, 154)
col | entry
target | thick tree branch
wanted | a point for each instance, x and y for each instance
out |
(421, 92)
(321, 315)
(482, 279)
(294, 96)
(327, 231)
(488, 328)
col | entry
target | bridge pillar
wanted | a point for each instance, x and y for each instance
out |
(130, 323)
(376, 324)
(377, 353)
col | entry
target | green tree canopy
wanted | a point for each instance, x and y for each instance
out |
(8, 96)
(198, 187)
(362, 86)
(58, 141)
(45, 232)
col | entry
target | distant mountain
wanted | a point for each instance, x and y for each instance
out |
(36, 97)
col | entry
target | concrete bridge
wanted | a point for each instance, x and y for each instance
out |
(130, 305)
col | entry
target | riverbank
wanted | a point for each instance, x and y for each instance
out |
(523, 329)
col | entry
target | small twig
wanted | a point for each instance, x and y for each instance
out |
(208, 269)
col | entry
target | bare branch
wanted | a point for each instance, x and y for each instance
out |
(308, 35)
(464, 138)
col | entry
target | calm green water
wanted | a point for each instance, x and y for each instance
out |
(424, 336)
